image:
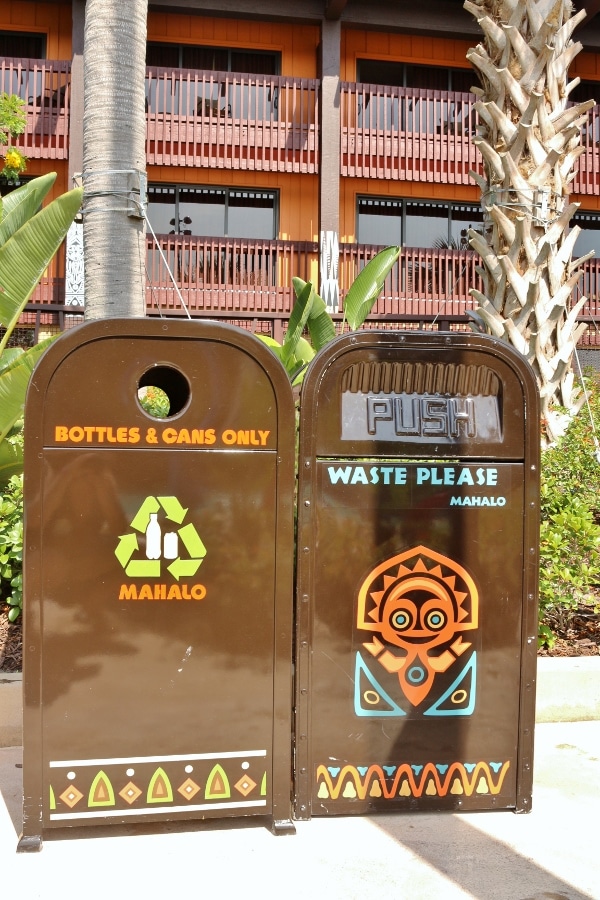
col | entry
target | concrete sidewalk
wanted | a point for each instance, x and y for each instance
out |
(550, 854)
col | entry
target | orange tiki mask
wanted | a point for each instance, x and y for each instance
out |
(417, 605)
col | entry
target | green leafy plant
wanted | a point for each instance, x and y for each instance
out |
(155, 401)
(569, 564)
(13, 121)
(11, 546)
(29, 238)
(310, 313)
(570, 521)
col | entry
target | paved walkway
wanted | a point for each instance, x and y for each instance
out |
(551, 854)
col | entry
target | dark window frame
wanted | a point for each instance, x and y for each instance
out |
(30, 35)
(581, 217)
(403, 206)
(402, 78)
(227, 191)
(230, 51)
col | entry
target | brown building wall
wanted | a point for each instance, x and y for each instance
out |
(586, 65)
(352, 187)
(296, 43)
(298, 194)
(51, 19)
(416, 49)
(400, 48)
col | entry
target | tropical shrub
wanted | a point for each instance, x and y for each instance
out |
(29, 238)
(13, 120)
(570, 520)
(11, 546)
(310, 313)
(154, 401)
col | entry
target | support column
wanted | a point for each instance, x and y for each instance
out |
(329, 187)
(76, 92)
(74, 284)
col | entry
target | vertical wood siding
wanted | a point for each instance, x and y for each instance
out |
(51, 19)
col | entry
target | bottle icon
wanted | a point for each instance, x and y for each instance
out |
(153, 538)
(171, 545)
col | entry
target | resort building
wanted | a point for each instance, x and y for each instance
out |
(289, 138)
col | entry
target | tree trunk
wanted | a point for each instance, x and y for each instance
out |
(529, 138)
(114, 157)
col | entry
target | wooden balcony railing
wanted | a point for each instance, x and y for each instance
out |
(266, 123)
(44, 86)
(421, 135)
(232, 121)
(250, 282)
(424, 284)
(407, 133)
(226, 276)
(587, 178)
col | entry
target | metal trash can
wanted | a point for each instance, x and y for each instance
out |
(417, 576)
(158, 579)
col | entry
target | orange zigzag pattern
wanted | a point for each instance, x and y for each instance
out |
(469, 781)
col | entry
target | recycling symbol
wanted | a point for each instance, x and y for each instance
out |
(163, 541)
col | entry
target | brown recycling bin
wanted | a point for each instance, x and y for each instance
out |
(417, 582)
(158, 579)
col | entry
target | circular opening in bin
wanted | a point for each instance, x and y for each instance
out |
(163, 392)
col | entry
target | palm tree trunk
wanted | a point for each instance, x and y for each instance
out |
(529, 138)
(114, 157)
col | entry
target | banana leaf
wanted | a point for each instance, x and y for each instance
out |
(304, 354)
(270, 342)
(10, 357)
(21, 205)
(297, 322)
(14, 379)
(367, 286)
(11, 462)
(320, 324)
(26, 254)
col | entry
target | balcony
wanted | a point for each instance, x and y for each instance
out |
(252, 280)
(229, 120)
(249, 283)
(244, 122)
(226, 278)
(409, 134)
(44, 86)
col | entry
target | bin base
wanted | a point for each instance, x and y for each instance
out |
(29, 843)
(283, 826)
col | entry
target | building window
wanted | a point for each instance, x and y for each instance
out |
(22, 45)
(215, 59)
(16, 45)
(589, 239)
(242, 98)
(213, 217)
(213, 211)
(411, 223)
(430, 112)
(6, 188)
(400, 74)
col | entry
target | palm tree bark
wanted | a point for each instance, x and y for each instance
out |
(530, 140)
(114, 157)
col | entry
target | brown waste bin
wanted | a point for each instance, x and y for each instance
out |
(158, 579)
(417, 580)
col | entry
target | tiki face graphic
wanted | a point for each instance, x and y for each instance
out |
(417, 605)
(417, 611)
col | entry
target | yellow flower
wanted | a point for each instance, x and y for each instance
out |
(13, 159)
